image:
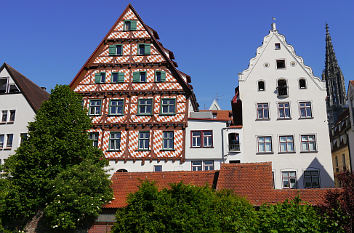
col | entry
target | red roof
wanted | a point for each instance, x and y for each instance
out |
(251, 180)
(220, 115)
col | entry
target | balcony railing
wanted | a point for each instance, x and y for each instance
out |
(234, 147)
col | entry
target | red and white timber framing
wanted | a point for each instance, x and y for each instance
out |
(176, 86)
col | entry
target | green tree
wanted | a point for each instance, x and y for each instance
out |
(57, 145)
(184, 208)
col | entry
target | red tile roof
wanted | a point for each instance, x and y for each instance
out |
(221, 115)
(253, 181)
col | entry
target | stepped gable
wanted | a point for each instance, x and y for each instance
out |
(34, 94)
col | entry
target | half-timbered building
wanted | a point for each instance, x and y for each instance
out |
(138, 100)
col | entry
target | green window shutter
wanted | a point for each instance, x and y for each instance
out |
(133, 25)
(98, 78)
(112, 50)
(147, 49)
(163, 76)
(121, 77)
(136, 77)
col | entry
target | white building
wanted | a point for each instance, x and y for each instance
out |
(284, 116)
(20, 98)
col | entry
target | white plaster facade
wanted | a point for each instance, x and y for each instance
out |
(23, 114)
(263, 67)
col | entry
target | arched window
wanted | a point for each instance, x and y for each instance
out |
(122, 170)
(234, 142)
(282, 87)
(261, 86)
(302, 83)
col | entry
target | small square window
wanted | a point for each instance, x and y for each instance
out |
(95, 107)
(280, 64)
(289, 179)
(116, 107)
(94, 138)
(168, 106)
(277, 46)
(209, 165)
(129, 25)
(302, 84)
(261, 86)
(100, 77)
(197, 166)
(145, 106)
(144, 49)
(158, 168)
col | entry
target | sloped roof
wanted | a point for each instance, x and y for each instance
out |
(220, 115)
(34, 94)
(251, 180)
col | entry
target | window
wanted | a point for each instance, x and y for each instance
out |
(3, 85)
(305, 110)
(144, 49)
(302, 84)
(207, 138)
(94, 137)
(116, 107)
(139, 77)
(284, 110)
(209, 165)
(160, 76)
(158, 168)
(311, 179)
(100, 77)
(13, 88)
(4, 116)
(344, 162)
(10, 138)
(308, 143)
(264, 144)
(280, 64)
(262, 111)
(282, 88)
(286, 143)
(196, 138)
(277, 46)
(261, 86)
(115, 50)
(95, 107)
(23, 137)
(114, 141)
(197, 166)
(2, 138)
(168, 106)
(129, 25)
(117, 77)
(202, 138)
(145, 106)
(234, 142)
(167, 140)
(12, 115)
(144, 139)
(289, 179)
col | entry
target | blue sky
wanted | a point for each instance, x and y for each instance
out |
(49, 41)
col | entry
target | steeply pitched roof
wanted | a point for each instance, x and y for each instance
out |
(34, 94)
(251, 180)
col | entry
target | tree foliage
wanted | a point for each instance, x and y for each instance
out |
(57, 151)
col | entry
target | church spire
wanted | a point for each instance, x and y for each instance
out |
(333, 76)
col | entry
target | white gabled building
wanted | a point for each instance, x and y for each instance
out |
(284, 116)
(20, 98)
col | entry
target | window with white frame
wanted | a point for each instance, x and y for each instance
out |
(168, 106)
(202, 138)
(9, 141)
(311, 179)
(2, 139)
(197, 166)
(286, 143)
(264, 144)
(114, 141)
(284, 110)
(116, 107)
(12, 115)
(262, 111)
(145, 106)
(95, 107)
(208, 165)
(167, 140)
(305, 110)
(289, 179)
(93, 136)
(308, 143)
(144, 140)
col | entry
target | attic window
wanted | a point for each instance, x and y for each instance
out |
(3, 85)
(129, 25)
(13, 89)
(277, 46)
(281, 64)
(302, 84)
(144, 49)
(261, 86)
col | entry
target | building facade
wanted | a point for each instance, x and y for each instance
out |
(20, 98)
(138, 101)
(284, 116)
(350, 133)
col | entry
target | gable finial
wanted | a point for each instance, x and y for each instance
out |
(274, 26)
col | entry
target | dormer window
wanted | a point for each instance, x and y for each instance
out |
(281, 64)
(302, 83)
(261, 86)
(282, 88)
(277, 46)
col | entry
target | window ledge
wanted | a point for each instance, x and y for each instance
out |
(312, 151)
(287, 152)
(167, 114)
(264, 153)
(143, 150)
(268, 119)
(10, 122)
(141, 114)
(304, 118)
(116, 82)
(115, 115)
(95, 115)
(284, 119)
(202, 147)
(113, 151)
(3, 123)
(167, 150)
(7, 148)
